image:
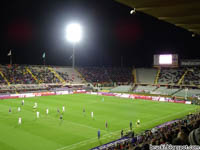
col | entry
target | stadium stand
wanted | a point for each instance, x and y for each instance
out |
(114, 77)
(43, 74)
(2, 80)
(192, 77)
(107, 75)
(120, 74)
(181, 93)
(193, 92)
(69, 74)
(188, 93)
(145, 89)
(23, 78)
(170, 76)
(146, 75)
(94, 74)
(122, 88)
(165, 90)
(20, 74)
(16, 74)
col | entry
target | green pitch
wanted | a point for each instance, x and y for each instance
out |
(78, 130)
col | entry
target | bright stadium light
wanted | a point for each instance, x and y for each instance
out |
(74, 32)
(74, 35)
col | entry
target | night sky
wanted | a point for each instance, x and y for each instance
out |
(110, 33)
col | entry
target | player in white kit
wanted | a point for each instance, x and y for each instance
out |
(22, 102)
(20, 120)
(92, 114)
(63, 108)
(35, 107)
(18, 109)
(38, 114)
(35, 104)
(47, 111)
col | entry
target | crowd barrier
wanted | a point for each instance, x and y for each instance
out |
(121, 95)
(113, 143)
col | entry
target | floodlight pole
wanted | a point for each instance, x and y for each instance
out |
(10, 59)
(73, 56)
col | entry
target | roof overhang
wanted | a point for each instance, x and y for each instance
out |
(182, 13)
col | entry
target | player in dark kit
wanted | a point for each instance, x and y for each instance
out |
(99, 134)
(122, 133)
(9, 110)
(106, 125)
(84, 112)
(138, 123)
(131, 125)
(61, 117)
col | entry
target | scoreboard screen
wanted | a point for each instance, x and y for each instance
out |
(166, 60)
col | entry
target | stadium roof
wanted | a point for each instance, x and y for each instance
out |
(182, 13)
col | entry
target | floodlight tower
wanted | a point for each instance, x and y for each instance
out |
(74, 35)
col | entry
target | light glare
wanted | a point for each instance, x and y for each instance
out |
(74, 32)
(165, 59)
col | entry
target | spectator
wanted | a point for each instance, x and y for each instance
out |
(194, 137)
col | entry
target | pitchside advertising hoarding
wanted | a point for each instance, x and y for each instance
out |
(165, 60)
(121, 95)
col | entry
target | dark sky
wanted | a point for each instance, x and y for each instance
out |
(30, 27)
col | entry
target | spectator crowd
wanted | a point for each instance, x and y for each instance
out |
(19, 74)
(181, 132)
(107, 74)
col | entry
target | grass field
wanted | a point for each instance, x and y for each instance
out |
(78, 131)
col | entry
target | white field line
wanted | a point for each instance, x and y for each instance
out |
(85, 126)
(106, 135)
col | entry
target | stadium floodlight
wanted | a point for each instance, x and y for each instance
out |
(74, 32)
(74, 35)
